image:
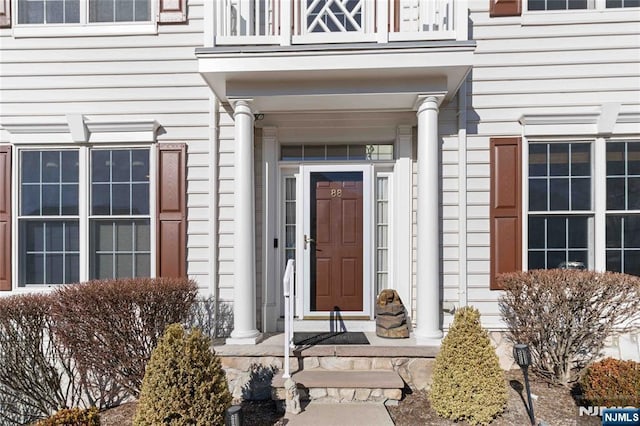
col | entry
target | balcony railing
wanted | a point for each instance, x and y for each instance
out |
(286, 22)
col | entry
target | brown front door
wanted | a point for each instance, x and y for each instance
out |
(336, 253)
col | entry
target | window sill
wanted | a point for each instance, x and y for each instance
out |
(67, 30)
(539, 18)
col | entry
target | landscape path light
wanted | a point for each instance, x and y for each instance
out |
(522, 356)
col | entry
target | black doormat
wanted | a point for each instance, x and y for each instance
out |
(335, 338)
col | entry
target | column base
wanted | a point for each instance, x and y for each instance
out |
(246, 338)
(428, 339)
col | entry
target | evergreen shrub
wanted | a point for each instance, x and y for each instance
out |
(184, 383)
(73, 417)
(468, 383)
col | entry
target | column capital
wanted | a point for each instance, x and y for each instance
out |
(242, 106)
(428, 101)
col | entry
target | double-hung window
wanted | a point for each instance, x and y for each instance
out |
(562, 213)
(83, 11)
(560, 205)
(77, 209)
(541, 5)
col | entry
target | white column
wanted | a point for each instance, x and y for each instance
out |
(244, 292)
(428, 251)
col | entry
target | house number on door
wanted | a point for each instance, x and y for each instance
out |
(336, 193)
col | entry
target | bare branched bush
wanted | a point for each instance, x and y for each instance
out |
(566, 315)
(37, 376)
(112, 326)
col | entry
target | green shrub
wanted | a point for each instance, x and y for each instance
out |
(184, 383)
(565, 316)
(468, 383)
(612, 383)
(112, 326)
(73, 417)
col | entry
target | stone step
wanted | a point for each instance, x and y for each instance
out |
(342, 386)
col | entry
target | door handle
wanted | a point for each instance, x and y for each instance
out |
(308, 240)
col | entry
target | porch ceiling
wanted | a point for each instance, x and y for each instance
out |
(334, 78)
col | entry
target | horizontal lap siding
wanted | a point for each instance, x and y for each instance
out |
(141, 77)
(543, 69)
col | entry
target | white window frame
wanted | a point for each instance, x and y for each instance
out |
(85, 28)
(599, 13)
(84, 207)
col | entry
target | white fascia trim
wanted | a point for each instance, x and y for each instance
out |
(77, 129)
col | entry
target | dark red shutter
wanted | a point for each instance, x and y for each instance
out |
(5, 218)
(505, 8)
(172, 11)
(506, 207)
(5, 13)
(172, 211)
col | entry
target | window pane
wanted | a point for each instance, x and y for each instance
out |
(55, 12)
(555, 258)
(357, 152)
(124, 237)
(34, 235)
(124, 10)
(615, 193)
(72, 11)
(30, 198)
(579, 256)
(103, 236)
(51, 199)
(70, 166)
(614, 260)
(103, 266)
(291, 153)
(537, 160)
(120, 166)
(31, 12)
(100, 166)
(577, 4)
(559, 159)
(121, 200)
(51, 166)
(124, 265)
(54, 269)
(537, 233)
(143, 240)
(633, 195)
(580, 159)
(140, 165)
(314, 152)
(143, 265)
(72, 268)
(614, 231)
(556, 232)
(614, 3)
(53, 236)
(100, 196)
(30, 166)
(34, 269)
(633, 158)
(142, 12)
(581, 194)
(337, 152)
(536, 4)
(140, 199)
(615, 158)
(559, 194)
(578, 232)
(101, 11)
(632, 232)
(537, 194)
(537, 260)
(631, 263)
(70, 200)
(72, 236)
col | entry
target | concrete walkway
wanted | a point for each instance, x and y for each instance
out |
(323, 414)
